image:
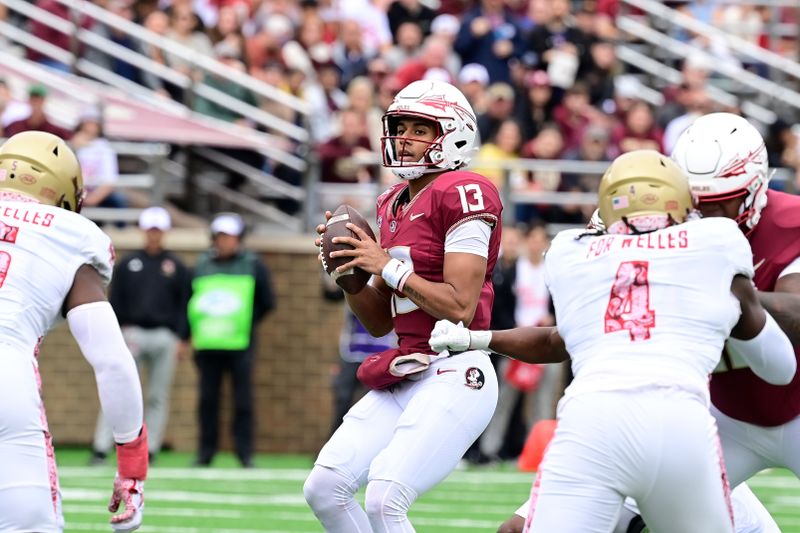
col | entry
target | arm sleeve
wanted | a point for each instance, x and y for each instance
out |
(769, 354)
(97, 332)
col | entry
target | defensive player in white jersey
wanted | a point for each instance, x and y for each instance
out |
(55, 263)
(643, 332)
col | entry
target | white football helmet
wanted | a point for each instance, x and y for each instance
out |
(724, 157)
(442, 103)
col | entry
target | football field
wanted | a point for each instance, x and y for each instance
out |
(269, 498)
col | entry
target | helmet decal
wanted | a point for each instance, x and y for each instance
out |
(724, 157)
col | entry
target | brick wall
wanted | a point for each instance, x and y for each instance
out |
(297, 354)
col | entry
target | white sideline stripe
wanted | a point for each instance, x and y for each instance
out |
(287, 474)
(191, 497)
(504, 507)
(76, 508)
(70, 526)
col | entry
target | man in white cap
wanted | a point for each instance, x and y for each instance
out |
(149, 294)
(231, 292)
(473, 80)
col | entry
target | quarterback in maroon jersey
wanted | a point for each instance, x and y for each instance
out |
(439, 240)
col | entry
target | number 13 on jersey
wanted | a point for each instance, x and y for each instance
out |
(629, 304)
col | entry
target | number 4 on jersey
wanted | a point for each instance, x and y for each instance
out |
(629, 305)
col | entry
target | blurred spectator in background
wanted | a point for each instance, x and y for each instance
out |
(537, 384)
(149, 294)
(373, 21)
(11, 109)
(561, 47)
(638, 130)
(601, 73)
(413, 11)
(408, 41)
(37, 119)
(336, 156)
(434, 54)
(473, 80)
(228, 30)
(783, 150)
(121, 8)
(445, 28)
(697, 103)
(52, 36)
(504, 279)
(313, 48)
(355, 344)
(490, 35)
(535, 109)
(500, 100)
(325, 99)
(224, 336)
(186, 30)
(361, 98)
(378, 70)
(595, 146)
(99, 162)
(229, 54)
(575, 113)
(503, 147)
(350, 52)
(264, 48)
(158, 22)
(548, 144)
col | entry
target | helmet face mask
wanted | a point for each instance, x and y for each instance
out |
(643, 191)
(445, 106)
(724, 157)
(39, 167)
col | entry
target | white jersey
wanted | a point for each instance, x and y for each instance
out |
(41, 248)
(647, 310)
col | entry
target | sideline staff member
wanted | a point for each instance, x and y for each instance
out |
(231, 292)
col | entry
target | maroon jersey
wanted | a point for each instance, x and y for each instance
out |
(415, 232)
(739, 393)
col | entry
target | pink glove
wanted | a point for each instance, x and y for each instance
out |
(132, 462)
(131, 493)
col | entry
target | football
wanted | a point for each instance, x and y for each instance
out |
(354, 279)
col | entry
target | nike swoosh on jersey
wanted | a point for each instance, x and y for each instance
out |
(416, 216)
(444, 370)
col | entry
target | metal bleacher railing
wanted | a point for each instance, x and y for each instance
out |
(280, 140)
(771, 95)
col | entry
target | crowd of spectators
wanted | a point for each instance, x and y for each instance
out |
(542, 75)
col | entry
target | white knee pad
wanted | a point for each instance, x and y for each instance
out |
(387, 504)
(326, 488)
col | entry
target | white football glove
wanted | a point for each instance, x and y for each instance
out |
(129, 492)
(450, 337)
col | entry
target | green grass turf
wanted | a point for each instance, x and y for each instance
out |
(269, 498)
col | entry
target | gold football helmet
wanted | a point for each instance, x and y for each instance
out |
(644, 183)
(41, 167)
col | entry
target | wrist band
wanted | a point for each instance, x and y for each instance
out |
(395, 273)
(479, 340)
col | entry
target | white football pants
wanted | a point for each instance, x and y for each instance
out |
(659, 446)
(401, 442)
(30, 499)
